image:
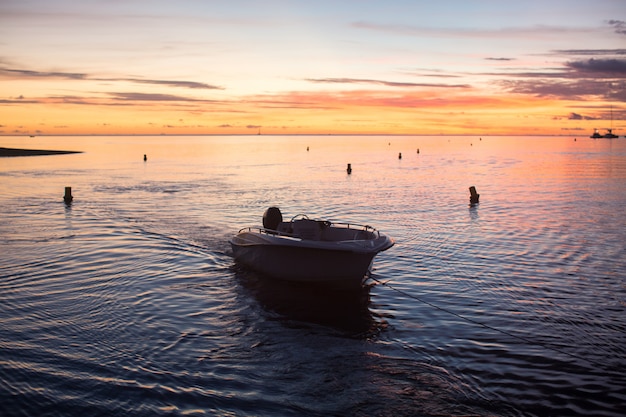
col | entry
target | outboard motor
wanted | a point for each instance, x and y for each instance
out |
(272, 218)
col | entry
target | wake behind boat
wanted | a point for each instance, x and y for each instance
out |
(312, 251)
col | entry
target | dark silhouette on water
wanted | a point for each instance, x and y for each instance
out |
(32, 152)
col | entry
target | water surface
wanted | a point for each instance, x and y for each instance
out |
(127, 302)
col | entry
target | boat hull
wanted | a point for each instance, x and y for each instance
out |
(333, 264)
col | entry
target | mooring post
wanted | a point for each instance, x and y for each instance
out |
(473, 195)
(68, 195)
(145, 157)
(349, 169)
(400, 155)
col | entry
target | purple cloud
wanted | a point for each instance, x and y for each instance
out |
(18, 101)
(576, 116)
(385, 83)
(22, 73)
(39, 74)
(183, 84)
(568, 89)
(606, 67)
(618, 25)
(149, 97)
(601, 52)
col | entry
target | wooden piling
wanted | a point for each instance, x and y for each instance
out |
(473, 195)
(68, 195)
(349, 169)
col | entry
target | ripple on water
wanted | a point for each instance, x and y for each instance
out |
(128, 303)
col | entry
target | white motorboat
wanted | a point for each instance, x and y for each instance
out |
(307, 250)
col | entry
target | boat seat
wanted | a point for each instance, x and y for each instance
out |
(307, 229)
(284, 227)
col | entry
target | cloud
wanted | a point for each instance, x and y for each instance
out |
(618, 25)
(182, 84)
(410, 99)
(565, 89)
(71, 100)
(600, 52)
(510, 32)
(499, 59)
(576, 116)
(385, 83)
(149, 97)
(18, 101)
(39, 74)
(600, 76)
(600, 67)
(29, 74)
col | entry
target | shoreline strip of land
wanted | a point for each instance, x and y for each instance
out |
(32, 152)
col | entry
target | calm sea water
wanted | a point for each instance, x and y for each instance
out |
(128, 302)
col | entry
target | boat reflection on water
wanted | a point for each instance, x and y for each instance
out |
(295, 302)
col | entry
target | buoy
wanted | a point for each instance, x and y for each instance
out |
(400, 155)
(307, 148)
(473, 195)
(145, 158)
(349, 169)
(418, 150)
(68, 195)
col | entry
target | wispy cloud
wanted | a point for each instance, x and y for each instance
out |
(618, 25)
(131, 96)
(576, 116)
(18, 101)
(597, 52)
(30, 74)
(376, 99)
(601, 76)
(21, 73)
(566, 89)
(385, 83)
(499, 59)
(514, 32)
(183, 84)
(600, 67)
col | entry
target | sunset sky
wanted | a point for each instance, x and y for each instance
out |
(321, 67)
